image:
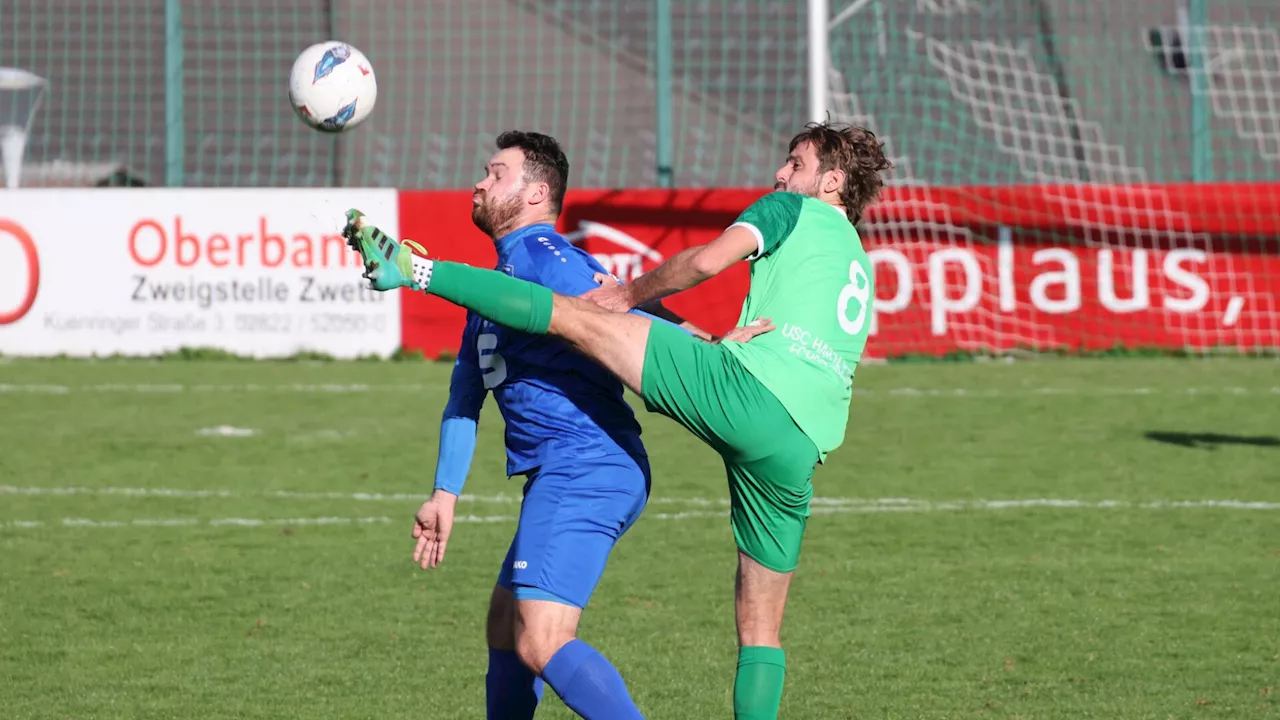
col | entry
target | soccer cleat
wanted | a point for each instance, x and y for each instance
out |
(388, 264)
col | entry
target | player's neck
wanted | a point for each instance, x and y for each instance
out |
(834, 201)
(518, 224)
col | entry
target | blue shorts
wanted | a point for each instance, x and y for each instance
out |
(571, 517)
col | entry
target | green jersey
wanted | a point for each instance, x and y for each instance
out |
(811, 276)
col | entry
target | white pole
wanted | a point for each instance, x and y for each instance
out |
(13, 141)
(818, 60)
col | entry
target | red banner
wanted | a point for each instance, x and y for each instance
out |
(1080, 267)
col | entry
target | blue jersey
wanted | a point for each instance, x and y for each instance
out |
(557, 404)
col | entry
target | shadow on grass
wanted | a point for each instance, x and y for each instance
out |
(1211, 441)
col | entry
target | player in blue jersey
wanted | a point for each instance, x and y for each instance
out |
(568, 430)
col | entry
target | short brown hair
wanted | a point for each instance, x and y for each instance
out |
(857, 152)
(544, 161)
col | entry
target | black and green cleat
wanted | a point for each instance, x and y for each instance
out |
(388, 263)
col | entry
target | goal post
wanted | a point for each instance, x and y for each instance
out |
(819, 59)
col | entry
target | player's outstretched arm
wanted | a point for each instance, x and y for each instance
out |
(681, 272)
(433, 524)
(657, 309)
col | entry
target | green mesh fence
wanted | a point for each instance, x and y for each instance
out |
(1013, 91)
(968, 91)
(451, 76)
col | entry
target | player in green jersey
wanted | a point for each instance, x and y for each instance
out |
(773, 407)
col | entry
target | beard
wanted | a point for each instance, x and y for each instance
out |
(493, 215)
(810, 190)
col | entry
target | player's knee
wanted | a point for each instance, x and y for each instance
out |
(536, 645)
(541, 629)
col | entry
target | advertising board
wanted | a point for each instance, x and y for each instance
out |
(255, 272)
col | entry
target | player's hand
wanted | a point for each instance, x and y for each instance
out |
(611, 295)
(431, 528)
(759, 326)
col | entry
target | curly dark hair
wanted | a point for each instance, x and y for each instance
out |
(544, 161)
(854, 150)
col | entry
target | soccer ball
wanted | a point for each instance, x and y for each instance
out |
(332, 87)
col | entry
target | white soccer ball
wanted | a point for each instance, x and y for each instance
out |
(332, 87)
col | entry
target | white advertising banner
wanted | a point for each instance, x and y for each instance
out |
(259, 272)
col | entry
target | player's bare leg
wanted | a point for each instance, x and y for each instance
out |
(760, 599)
(512, 691)
(615, 340)
(500, 625)
(541, 628)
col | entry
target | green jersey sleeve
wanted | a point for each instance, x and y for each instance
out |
(771, 219)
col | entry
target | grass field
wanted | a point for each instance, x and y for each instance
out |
(1055, 539)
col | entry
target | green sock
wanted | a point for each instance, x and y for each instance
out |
(497, 297)
(757, 689)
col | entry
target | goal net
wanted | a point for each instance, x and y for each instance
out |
(1070, 176)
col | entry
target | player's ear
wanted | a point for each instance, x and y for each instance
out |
(541, 193)
(833, 180)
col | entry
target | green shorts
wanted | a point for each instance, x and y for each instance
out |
(769, 460)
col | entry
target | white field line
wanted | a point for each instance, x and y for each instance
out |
(820, 505)
(130, 492)
(905, 392)
(79, 522)
(896, 506)
(174, 388)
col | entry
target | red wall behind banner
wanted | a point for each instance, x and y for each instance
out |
(956, 268)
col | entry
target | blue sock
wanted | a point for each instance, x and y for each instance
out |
(589, 684)
(511, 690)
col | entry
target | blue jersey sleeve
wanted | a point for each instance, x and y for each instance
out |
(461, 419)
